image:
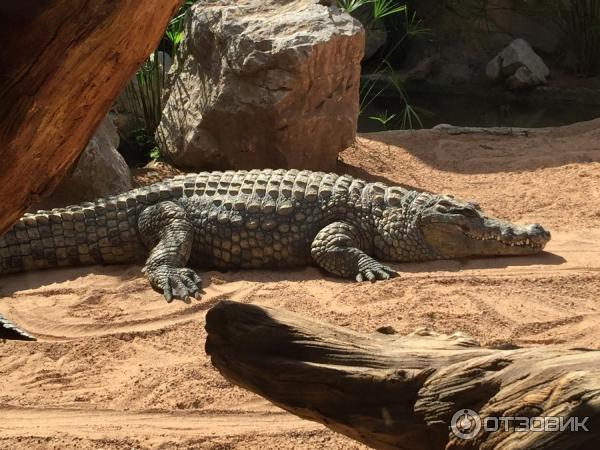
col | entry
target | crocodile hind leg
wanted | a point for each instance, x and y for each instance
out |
(165, 229)
(339, 249)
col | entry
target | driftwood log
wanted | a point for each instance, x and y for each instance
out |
(63, 64)
(401, 392)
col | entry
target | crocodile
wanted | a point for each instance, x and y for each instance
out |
(260, 219)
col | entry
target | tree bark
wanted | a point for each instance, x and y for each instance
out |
(63, 64)
(401, 392)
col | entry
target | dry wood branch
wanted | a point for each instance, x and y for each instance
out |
(393, 392)
(63, 64)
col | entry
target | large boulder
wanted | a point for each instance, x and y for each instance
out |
(263, 84)
(99, 171)
(518, 65)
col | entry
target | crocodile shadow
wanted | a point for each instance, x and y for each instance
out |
(10, 284)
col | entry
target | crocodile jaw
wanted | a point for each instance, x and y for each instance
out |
(483, 236)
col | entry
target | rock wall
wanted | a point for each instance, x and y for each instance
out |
(263, 84)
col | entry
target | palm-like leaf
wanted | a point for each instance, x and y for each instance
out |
(143, 96)
(352, 5)
(383, 8)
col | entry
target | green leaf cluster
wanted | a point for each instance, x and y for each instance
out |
(373, 88)
(143, 97)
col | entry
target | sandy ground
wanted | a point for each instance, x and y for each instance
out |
(118, 368)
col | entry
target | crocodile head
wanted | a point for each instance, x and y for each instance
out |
(454, 229)
(428, 226)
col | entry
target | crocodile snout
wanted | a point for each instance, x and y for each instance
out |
(538, 234)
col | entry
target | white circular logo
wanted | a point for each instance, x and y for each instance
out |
(466, 424)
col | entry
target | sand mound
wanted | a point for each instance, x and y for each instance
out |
(118, 368)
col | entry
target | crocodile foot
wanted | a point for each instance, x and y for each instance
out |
(174, 282)
(370, 269)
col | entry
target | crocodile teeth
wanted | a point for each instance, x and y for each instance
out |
(491, 237)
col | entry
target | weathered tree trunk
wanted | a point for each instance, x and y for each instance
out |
(63, 64)
(393, 392)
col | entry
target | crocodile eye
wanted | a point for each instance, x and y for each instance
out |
(444, 205)
(467, 212)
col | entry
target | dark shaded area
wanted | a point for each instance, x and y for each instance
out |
(457, 110)
(136, 149)
(496, 150)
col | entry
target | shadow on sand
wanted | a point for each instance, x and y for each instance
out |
(479, 153)
(11, 284)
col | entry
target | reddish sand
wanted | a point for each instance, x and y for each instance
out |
(118, 368)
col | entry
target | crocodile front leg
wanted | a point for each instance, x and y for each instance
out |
(338, 248)
(169, 234)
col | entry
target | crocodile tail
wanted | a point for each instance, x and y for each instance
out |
(104, 232)
(8, 330)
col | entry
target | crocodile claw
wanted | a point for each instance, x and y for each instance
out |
(175, 282)
(376, 272)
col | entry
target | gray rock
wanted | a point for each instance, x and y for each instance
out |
(263, 84)
(99, 171)
(518, 65)
(523, 78)
(493, 70)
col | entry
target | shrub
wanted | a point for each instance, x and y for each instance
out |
(372, 88)
(143, 97)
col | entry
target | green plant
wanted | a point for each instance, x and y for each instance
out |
(383, 119)
(410, 115)
(136, 146)
(352, 5)
(384, 76)
(155, 154)
(384, 8)
(374, 87)
(174, 31)
(379, 10)
(143, 97)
